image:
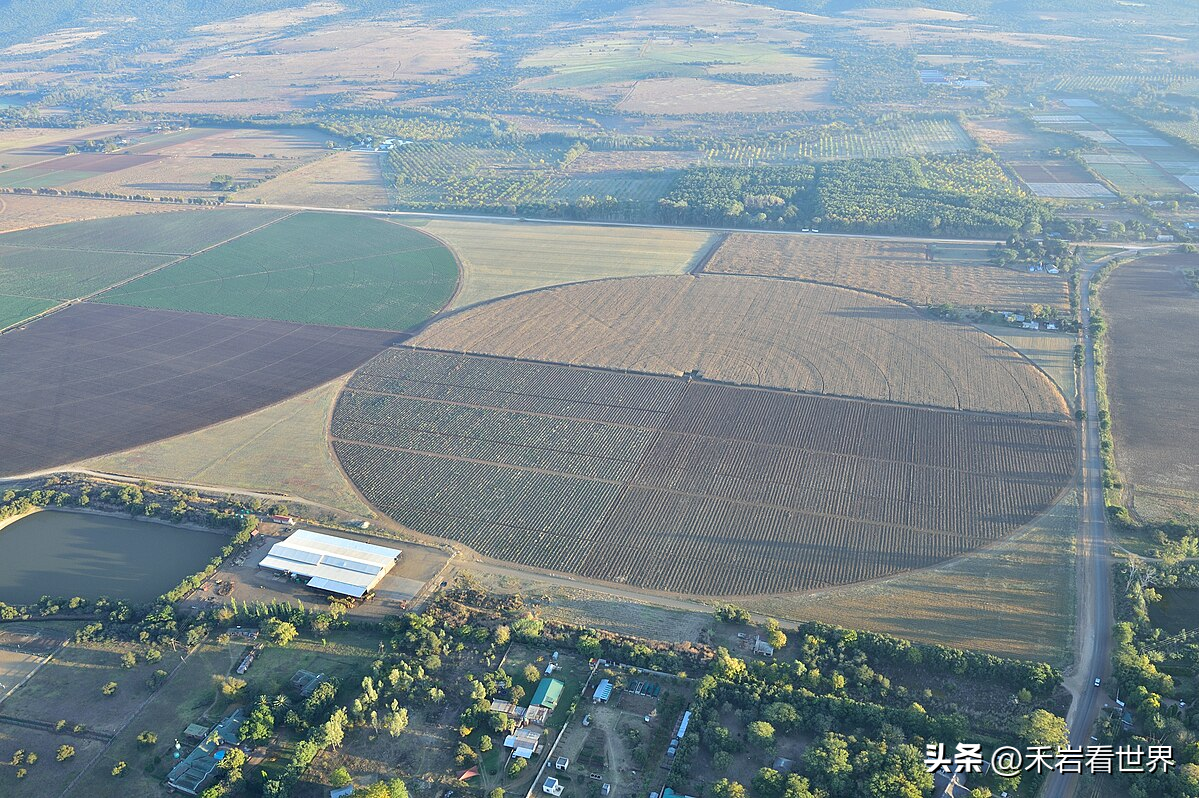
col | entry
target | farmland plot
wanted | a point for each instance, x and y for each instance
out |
(919, 273)
(501, 258)
(312, 268)
(1153, 315)
(93, 379)
(757, 331)
(684, 486)
(20, 211)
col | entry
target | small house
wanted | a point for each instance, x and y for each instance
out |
(548, 693)
(763, 648)
(342, 792)
(561, 763)
(552, 786)
(603, 692)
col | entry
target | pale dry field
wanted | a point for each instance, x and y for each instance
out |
(23, 138)
(20, 211)
(1013, 599)
(179, 176)
(362, 57)
(279, 449)
(1052, 352)
(283, 144)
(501, 258)
(758, 331)
(341, 180)
(677, 96)
(912, 272)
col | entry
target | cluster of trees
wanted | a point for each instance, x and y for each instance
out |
(1142, 653)
(845, 687)
(1047, 252)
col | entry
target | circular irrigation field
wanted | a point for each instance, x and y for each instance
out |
(702, 486)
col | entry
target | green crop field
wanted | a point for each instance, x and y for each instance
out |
(315, 268)
(18, 308)
(43, 266)
(68, 273)
(158, 233)
(1137, 178)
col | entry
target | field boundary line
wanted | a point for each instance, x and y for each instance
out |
(33, 672)
(715, 244)
(162, 266)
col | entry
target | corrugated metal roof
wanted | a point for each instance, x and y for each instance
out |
(336, 564)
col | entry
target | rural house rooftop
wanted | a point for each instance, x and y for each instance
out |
(547, 694)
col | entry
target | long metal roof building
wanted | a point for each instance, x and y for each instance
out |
(339, 565)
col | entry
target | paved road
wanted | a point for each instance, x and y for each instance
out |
(1094, 624)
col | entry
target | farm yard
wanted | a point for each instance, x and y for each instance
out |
(923, 274)
(757, 331)
(93, 379)
(312, 268)
(281, 449)
(1152, 318)
(500, 258)
(684, 486)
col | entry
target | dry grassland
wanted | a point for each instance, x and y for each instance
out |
(256, 26)
(680, 96)
(501, 258)
(24, 138)
(279, 449)
(912, 272)
(341, 180)
(336, 57)
(1012, 599)
(907, 34)
(281, 144)
(177, 177)
(21, 211)
(1152, 377)
(757, 331)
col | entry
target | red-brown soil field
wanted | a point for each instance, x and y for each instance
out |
(93, 379)
(681, 485)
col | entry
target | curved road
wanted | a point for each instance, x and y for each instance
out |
(1093, 626)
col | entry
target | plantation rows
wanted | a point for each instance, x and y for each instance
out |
(921, 137)
(579, 385)
(566, 445)
(974, 442)
(481, 492)
(711, 546)
(728, 491)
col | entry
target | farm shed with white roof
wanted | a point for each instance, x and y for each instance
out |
(339, 565)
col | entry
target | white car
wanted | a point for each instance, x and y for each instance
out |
(1096, 681)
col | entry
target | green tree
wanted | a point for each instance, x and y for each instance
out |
(64, 752)
(531, 673)
(281, 633)
(109, 688)
(340, 778)
(1043, 728)
(761, 734)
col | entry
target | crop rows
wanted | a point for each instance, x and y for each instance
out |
(720, 490)
(922, 137)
